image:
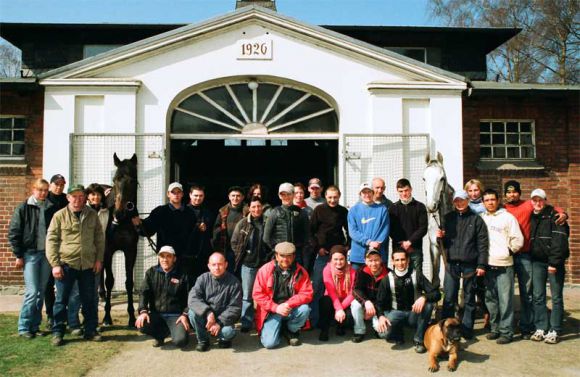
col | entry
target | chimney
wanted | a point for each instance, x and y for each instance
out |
(266, 4)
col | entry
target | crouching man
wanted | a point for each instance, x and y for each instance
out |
(163, 301)
(215, 304)
(405, 297)
(282, 292)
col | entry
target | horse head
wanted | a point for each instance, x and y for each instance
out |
(435, 182)
(125, 187)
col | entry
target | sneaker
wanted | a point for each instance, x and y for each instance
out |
(96, 337)
(538, 336)
(224, 343)
(202, 347)
(420, 348)
(340, 331)
(26, 335)
(57, 340)
(158, 342)
(323, 337)
(503, 340)
(76, 332)
(492, 336)
(357, 338)
(294, 338)
(551, 337)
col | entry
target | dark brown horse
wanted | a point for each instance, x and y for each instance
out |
(121, 234)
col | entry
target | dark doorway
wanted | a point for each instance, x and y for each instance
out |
(220, 164)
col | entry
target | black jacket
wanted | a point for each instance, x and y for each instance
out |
(328, 226)
(286, 224)
(251, 254)
(174, 227)
(164, 292)
(408, 222)
(408, 289)
(366, 285)
(548, 241)
(24, 226)
(466, 239)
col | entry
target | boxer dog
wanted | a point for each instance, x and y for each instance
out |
(443, 337)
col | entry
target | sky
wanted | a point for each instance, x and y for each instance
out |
(319, 12)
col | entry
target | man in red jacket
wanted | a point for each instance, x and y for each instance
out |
(282, 292)
(522, 211)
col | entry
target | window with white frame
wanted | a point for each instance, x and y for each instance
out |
(507, 139)
(12, 137)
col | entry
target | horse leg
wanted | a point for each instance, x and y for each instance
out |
(130, 259)
(109, 283)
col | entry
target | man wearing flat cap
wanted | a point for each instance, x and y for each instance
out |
(282, 292)
(175, 225)
(163, 301)
(75, 245)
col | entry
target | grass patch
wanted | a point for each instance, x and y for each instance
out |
(38, 358)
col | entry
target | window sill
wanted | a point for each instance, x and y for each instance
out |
(503, 165)
(13, 167)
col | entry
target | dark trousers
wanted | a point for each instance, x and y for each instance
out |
(326, 314)
(162, 325)
(453, 273)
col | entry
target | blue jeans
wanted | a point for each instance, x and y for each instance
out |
(358, 316)
(499, 297)
(86, 281)
(523, 270)
(318, 287)
(400, 318)
(161, 325)
(36, 273)
(248, 278)
(226, 332)
(451, 291)
(540, 275)
(270, 335)
(74, 306)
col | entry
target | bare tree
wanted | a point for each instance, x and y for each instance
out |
(547, 48)
(10, 60)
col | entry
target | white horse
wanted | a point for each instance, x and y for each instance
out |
(439, 196)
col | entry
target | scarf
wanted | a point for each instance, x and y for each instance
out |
(341, 279)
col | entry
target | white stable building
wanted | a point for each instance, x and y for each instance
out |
(252, 95)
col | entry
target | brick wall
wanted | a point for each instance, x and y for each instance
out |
(15, 178)
(557, 127)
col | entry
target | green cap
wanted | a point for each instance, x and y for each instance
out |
(73, 188)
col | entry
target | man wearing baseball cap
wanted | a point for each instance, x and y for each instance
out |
(549, 250)
(163, 301)
(75, 245)
(282, 292)
(522, 211)
(315, 189)
(175, 224)
(368, 227)
(466, 246)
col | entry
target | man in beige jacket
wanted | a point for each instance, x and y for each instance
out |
(74, 248)
(505, 239)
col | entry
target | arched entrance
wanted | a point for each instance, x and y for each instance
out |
(245, 130)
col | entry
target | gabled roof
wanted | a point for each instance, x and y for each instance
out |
(85, 67)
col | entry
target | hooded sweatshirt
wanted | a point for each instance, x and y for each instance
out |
(505, 237)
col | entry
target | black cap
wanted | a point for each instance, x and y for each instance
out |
(57, 177)
(512, 185)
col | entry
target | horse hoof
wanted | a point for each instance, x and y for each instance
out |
(131, 323)
(107, 321)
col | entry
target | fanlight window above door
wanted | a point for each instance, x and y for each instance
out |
(253, 108)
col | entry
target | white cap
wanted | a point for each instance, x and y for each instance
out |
(286, 187)
(460, 194)
(365, 186)
(167, 249)
(539, 192)
(175, 185)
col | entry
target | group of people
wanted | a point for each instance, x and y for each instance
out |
(307, 263)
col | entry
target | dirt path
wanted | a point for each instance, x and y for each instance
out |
(341, 357)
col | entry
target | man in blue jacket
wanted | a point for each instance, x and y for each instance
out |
(368, 227)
